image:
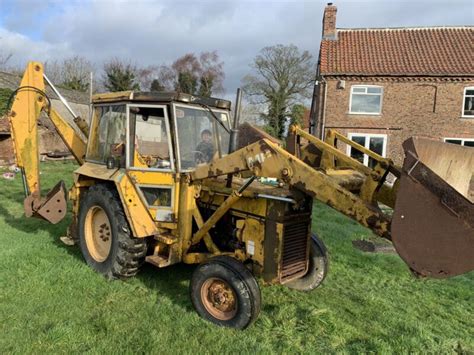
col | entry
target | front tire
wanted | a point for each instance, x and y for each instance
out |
(225, 292)
(104, 235)
(317, 268)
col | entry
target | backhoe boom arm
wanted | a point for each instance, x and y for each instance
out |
(30, 100)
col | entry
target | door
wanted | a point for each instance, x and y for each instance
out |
(150, 159)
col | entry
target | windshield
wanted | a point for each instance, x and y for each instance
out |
(200, 137)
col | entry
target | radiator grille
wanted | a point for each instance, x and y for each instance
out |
(294, 262)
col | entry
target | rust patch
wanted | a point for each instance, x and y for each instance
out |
(432, 239)
(54, 206)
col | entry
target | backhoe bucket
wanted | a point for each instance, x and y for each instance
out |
(433, 221)
(52, 208)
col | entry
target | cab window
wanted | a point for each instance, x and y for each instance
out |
(107, 134)
(150, 144)
(200, 138)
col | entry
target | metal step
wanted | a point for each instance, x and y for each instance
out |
(166, 238)
(158, 260)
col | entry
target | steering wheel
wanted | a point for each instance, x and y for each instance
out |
(196, 156)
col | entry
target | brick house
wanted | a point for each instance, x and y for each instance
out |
(49, 138)
(380, 86)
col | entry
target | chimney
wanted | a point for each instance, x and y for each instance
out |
(329, 22)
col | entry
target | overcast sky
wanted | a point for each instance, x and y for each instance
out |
(157, 32)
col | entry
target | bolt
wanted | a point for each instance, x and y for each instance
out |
(285, 172)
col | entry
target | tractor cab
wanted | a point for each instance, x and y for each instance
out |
(170, 132)
(155, 137)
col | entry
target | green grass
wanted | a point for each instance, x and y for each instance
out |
(50, 301)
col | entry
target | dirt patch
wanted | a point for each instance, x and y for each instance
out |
(371, 247)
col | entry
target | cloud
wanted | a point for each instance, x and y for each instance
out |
(24, 48)
(151, 32)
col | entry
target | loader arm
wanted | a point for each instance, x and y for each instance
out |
(266, 159)
(433, 224)
(30, 100)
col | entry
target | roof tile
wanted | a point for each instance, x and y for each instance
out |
(400, 51)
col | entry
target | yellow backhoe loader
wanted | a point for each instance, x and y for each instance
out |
(161, 181)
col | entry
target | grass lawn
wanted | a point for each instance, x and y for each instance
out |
(50, 301)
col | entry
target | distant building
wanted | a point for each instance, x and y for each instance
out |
(380, 86)
(49, 138)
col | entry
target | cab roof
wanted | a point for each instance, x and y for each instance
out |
(159, 97)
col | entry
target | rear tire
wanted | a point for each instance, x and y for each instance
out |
(225, 292)
(104, 235)
(317, 268)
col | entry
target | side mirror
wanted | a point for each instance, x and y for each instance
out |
(111, 163)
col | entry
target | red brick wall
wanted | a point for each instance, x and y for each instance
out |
(407, 110)
(329, 22)
(6, 150)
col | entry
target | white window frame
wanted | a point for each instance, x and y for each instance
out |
(463, 140)
(464, 102)
(367, 144)
(366, 113)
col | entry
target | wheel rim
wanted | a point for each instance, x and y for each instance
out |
(98, 233)
(219, 299)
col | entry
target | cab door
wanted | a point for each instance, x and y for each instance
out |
(150, 160)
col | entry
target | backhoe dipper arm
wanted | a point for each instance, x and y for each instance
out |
(30, 100)
(266, 159)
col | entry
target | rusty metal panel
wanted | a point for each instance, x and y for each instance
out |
(294, 256)
(54, 205)
(433, 222)
(430, 237)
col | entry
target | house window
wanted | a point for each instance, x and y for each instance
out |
(468, 102)
(375, 142)
(366, 100)
(469, 142)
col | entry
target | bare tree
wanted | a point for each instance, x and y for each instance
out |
(283, 76)
(211, 73)
(252, 113)
(201, 75)
(71, 73)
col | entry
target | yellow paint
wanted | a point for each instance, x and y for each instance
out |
(266, 159)
(75, 143)
(252, 233)
(152, 177)
(23, 118)
(160, 179)
(96, 171)
(138, 216)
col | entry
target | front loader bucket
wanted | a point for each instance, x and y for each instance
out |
(433, 221)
